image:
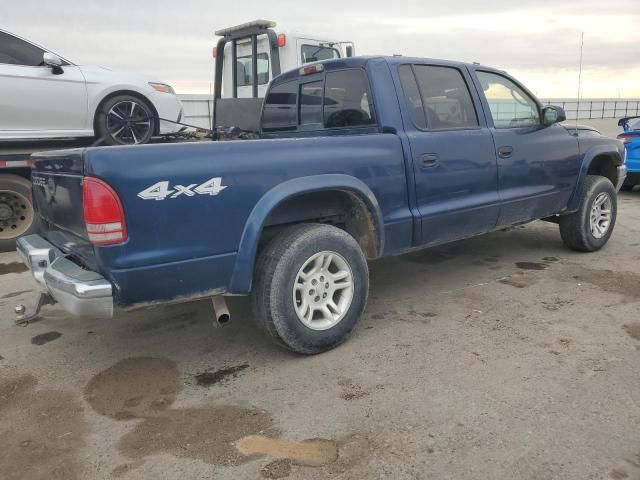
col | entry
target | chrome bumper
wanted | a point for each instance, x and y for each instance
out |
(622, 174)
(80, 292)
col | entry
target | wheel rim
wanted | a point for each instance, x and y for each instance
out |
(128, 122)
(601, 213)
(323, 290)
(16, 214)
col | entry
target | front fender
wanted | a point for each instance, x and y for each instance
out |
(587, 159)
(242, 277)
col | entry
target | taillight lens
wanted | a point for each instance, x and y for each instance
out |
(103, 213)
(628, 137)
(282, 40)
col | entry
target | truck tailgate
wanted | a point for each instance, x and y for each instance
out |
(57, 195)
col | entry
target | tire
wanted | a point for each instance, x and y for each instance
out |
(576, 228)
(17, 216)
(117, 125)
(298, 251)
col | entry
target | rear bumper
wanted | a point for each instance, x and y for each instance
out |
(80, 292)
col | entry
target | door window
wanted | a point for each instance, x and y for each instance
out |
(510, 106)
(15, 51)
(347, 100)
(280, 108)
(316, 53)
(443, 96)
(244, 75)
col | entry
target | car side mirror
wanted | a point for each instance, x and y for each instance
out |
(349, 50)
(53, 61)
(553, 114)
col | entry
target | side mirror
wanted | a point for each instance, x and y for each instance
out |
(349, 50)
(553, 114)
(53, 61)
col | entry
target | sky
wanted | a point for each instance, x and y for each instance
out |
(536, 41)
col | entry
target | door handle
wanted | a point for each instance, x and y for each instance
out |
(505, 152)
(428, 160)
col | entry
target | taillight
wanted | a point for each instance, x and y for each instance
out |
(214, 52)
(627, 137)
(282, 40)
(103, 213)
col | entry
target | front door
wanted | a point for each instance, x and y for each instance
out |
(537, 164)
(35, 101)
(453, 155)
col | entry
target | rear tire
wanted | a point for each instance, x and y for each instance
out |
(125, 120)
(590, 228)
(316, 266)
(17, 216)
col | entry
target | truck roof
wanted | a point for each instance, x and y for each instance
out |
(361, 61)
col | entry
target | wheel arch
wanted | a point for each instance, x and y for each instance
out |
(131, 93)
(370, 225)
(601, 160)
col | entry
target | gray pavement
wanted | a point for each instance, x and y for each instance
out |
(506, 356)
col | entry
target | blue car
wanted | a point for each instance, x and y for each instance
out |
(631, 139)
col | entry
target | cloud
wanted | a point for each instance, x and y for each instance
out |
(173, 40)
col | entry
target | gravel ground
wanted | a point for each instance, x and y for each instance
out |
(501, 357)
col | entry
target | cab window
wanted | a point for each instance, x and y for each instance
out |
(510, 106)
(280, 108)
(347, 100)
(316, 53)
(244, 72)
(15, 51)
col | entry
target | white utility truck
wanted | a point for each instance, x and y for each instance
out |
(257, 47)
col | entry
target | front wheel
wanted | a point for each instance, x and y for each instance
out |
(311, 287)
(125, 120)
(590, 228)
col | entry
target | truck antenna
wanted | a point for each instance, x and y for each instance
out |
(579, 77)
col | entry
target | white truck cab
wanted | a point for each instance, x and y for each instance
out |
(256, 46)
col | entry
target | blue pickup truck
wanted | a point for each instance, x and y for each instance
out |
(358, 158)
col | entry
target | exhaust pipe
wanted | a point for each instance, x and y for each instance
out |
(220, 310)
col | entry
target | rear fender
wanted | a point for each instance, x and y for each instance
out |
(242, 277)
(587, 159)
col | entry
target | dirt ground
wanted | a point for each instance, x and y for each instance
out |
(500, 357)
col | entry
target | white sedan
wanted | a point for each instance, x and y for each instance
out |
(45, 96)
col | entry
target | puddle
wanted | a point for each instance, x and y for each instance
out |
(314, 452)
(16, 294)
(45, 338)
(633, 329)
(209, 378)
(134, 387)
(207, 434)
(13, 267)
(620, 282)
(531, 265)
(41, 431)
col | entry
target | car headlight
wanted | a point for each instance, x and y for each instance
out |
(163, 87)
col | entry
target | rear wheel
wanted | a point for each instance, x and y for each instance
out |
(590, 228)
(17, 215)
(311, 287)
(125, 120)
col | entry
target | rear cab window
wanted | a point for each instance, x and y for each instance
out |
(339, 99)
(317, 53)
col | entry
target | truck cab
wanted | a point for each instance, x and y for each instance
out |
(257, 47)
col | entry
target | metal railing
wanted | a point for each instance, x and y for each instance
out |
(597, 108)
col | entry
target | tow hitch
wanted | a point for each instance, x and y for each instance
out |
(24, 318)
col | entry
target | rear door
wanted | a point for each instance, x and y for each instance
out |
(537, 164)
(36, 102)
(453, 156)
